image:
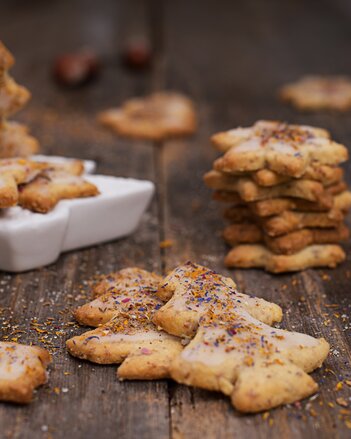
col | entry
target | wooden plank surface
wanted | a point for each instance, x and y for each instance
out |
(230, 58)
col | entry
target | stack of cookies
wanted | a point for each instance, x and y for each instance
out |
(14, 138)
(286, 193)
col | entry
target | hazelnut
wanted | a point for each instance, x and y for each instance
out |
(75, 69)
(137, 56)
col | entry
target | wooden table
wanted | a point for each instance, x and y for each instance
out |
(230, 57)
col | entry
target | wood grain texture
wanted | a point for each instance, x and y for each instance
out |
(230, 58)
(242, 58)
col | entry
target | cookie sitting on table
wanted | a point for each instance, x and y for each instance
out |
(22, 369)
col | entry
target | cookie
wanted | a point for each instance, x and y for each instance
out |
(337, 188)
(228, 197)
(327, 175)
(289, 221)
(12, 173)
(318, 93)
(156, 117)
(21, 172)
(258, 366)
(144, 351)
(119, 292)
(6, 59)
(129, 337)
(233, 352)
(45, 191)
(20, 169)
(224, 140)
(243, 233)
(15, 140)
(12, 96)
(8, 191)
(249, 191)
(295, 241)
(287, 244)
(276, 206)
(342, 201)
(258, 256)
(239, 214)
(125, 278)
(22, 369)
(285, 149)
(72, 167)
(186, 305)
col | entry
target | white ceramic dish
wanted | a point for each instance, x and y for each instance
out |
(30, 240)
(89, 165)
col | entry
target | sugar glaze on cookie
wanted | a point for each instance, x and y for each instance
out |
(125, 304)
(283, 148)
(22, 369)
(233, 350)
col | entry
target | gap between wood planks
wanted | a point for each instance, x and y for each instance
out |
(156, 22)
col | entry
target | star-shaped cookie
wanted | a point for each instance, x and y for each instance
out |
(44, 192)
(258, 256)
(185, 306)
(14, 172)
(280, 147)
(22, 369)
(12, 96)
(258, 366)
(40, 186)
(15, 140)
(250, 191)
(156, 117)
(318, 93)
(125, 306)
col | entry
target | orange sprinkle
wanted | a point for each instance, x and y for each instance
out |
(265, 416)
(342, 402)
(248, 361)
(166, 243)
(338, 386)
(313, 413)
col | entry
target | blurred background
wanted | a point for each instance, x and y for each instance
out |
(229, 56)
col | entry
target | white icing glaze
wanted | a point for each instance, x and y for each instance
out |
(240, 132)
(249, 341)
(215, 292)
(15, 360)
(106, 336)
(282, 147)
(279, 137)
(89, 165)
(252, 144)
(64, 179)
(3, 181)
